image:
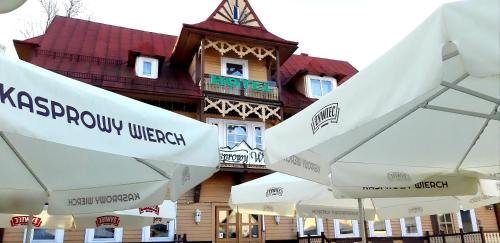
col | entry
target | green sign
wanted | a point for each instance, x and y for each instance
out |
(239, 82)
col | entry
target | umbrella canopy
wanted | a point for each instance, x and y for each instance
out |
(84, 150)
(285, 195)
(429, 106)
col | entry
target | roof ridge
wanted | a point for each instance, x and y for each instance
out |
(114, 26)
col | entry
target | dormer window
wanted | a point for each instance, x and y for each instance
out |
(319, 86)
(232, 67)
(146, 67)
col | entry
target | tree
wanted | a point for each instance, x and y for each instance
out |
(50, 8)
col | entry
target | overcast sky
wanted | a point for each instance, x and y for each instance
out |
(357, 31)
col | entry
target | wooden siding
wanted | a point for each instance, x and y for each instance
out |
(256, 69)
(486, 218)
(186, 225)
(286, 230)
(13, 235)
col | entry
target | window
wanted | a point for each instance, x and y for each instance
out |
(380, 228)
(159, 232)
(467, 220)
(146, 67)
(46, 235)
(233, 67)
(312, 226)
(236, 134)
(411, 226)
(103, 235)
(249, 226)
(319, 86)
(258, 137)
(445, 224)
(232, 132)
(345, 228)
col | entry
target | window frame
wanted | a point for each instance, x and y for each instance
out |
(326, 78)
(238, 61)
(473, 218)
(447, 223)
(147, 238)
(355, 229)
(89, 236)
(403, 227)
(58, 237)
(388, 229)
(300, 225)
(250, 125)
(139, 67)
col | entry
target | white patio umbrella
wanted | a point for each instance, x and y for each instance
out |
(83, 149)
(285, 195)
(429, 106)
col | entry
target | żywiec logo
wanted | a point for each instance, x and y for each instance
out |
(155, 210)
(107, 220)
(328, 114)
(274, 191)
(23, 220)
(398, 176)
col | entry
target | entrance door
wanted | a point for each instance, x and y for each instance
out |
(232, 227)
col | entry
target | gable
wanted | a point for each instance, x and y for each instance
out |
(237, 12)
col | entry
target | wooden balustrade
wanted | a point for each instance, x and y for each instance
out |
(273, 94)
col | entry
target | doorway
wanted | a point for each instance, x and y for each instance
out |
(232, 227)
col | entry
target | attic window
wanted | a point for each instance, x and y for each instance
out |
(232, 67)
(319, 86)
(146, 67)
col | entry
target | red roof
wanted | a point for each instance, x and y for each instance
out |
(98, 53)
(214, 25)
(305, 64)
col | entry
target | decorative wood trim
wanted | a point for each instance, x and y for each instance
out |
(240, 49)
(244, 109)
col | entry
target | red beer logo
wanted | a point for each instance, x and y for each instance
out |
(155, 210)
(107, 220)
(23, 220)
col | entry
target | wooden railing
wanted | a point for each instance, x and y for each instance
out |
(180, 238)
(239, 91)
(461, 237)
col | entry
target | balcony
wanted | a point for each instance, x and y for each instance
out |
(267, 90)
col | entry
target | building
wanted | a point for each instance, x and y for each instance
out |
(228, 70)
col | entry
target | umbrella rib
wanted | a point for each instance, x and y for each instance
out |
(492, 116)
(471, 92)
(23, 161)
(151, 166)
(485, 124)
(389, 125)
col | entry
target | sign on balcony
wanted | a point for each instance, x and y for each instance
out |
(242, 154)
(246, 84)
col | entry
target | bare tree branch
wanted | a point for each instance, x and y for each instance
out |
(50, 10)
(73, 8)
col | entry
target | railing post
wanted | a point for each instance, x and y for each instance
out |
(298, 237)
(322, 237)
(462, 236)
(481, 232)
(308, 238)
(184, 238)
(443, 237)
(427, 237)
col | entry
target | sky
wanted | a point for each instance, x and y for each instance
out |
(357, 31)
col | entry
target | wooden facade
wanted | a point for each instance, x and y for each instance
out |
(185, 87)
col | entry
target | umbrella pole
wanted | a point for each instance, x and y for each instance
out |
(361, 220)
(29, 228)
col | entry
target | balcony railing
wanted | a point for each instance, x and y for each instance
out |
(266, 90)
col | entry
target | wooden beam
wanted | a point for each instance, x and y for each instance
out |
(278, 80)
